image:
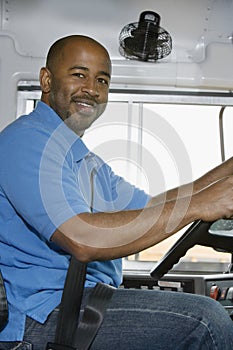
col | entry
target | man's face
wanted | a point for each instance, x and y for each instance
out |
(79, 84)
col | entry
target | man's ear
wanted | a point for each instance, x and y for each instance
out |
(45, 80)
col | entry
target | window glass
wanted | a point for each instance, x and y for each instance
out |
(184, 142)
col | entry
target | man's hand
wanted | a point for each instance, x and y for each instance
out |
(215, 201)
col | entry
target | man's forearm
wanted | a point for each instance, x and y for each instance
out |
(103, 236)
(223, 170)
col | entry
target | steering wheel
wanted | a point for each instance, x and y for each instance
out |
(200, 232)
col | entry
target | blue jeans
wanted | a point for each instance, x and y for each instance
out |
(147, 319)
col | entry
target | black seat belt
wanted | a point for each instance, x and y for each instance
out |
(93, 316)
(70, 333)
(71, 302)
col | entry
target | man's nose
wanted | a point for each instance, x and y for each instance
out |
(90, 87)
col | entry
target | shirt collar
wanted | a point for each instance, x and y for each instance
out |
(62, 132)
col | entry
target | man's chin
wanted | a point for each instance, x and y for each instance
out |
(79, 126)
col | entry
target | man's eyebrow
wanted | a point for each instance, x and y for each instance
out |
(78, 67)
(86, 69)
(105, 73)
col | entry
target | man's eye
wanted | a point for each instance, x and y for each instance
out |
(79, 75)
(103, 81)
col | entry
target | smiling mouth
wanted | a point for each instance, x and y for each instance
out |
(84, 107)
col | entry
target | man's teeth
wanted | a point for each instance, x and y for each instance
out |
(84, 104)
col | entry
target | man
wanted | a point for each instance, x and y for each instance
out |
(58, 199)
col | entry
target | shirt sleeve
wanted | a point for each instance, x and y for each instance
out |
(125, 195)
(38, 180)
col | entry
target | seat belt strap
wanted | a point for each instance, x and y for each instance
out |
(71, 334)
(93, 316)
(70, 303)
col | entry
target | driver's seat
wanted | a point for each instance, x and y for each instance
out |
(3, 305)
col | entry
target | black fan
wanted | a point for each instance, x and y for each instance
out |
(145, 40)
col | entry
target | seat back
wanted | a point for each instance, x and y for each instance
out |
(3, 305)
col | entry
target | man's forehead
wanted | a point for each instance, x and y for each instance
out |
(80, 54)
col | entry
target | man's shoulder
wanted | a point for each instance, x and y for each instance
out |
(38, 124)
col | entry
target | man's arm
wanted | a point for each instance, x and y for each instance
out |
(221, 171)
(103, 236)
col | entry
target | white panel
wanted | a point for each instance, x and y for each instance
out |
(201, 31)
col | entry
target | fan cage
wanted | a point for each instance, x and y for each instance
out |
(147, 43)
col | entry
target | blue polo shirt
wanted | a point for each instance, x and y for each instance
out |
(47, 176)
